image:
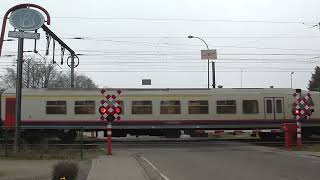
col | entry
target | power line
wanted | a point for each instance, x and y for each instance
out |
(175, 71)
(178, 19)
(241, 54)
(192, 45)
(149, 52)
(182, 37)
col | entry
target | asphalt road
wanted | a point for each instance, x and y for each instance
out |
(226, 161)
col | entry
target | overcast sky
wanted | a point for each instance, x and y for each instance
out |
(124, 41)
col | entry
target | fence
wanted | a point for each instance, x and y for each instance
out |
(48, 142)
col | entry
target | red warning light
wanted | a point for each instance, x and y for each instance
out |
(118, 110)
(102, 110)
(296, 112)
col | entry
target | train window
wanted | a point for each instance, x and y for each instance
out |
(269, 106)
(250, 106)
(56, 107)
(84, 107)
(170, 107)
(198, 107)
(279, 106)
(141, 107)
(226, 107)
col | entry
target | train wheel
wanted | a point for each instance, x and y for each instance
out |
(172, 133)
(69, 137)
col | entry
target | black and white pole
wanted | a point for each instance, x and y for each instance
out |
(299, 134)
(109, 139)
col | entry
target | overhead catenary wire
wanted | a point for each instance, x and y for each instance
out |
(180, 19)
(193, 45)
(78, 37)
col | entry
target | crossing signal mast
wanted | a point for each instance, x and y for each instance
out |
(110, 110)
(302, 110)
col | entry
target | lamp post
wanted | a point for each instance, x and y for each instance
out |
(213, 65)
(291, 78)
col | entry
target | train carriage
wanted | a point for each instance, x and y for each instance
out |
(63, 112)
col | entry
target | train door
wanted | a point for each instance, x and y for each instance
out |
(274, 108)
(10, 112)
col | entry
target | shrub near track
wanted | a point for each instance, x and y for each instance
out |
(65, 170)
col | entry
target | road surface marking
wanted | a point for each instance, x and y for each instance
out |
(155, 168)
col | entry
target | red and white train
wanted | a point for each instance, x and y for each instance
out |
(159, 112)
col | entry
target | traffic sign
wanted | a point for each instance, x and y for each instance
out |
(209, 54)
(110, 110)
(110, 107)
(26, 19)
(21, 34)
(303, 106)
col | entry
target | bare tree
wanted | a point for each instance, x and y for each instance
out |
(80, 81)
(41, 74)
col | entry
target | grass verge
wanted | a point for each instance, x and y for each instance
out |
(311, 148)
(51, 153)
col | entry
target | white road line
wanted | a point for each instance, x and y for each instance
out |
(155, 168)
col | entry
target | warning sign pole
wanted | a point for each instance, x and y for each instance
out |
(299, 135)
(109, 139)
(298, 118)
(302, 110)
(110, 110)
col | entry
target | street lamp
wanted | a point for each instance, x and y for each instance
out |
(291, 78)
(213, 65)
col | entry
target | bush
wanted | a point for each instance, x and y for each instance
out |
(65, 170)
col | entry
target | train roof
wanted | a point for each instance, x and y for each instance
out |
(74, 91)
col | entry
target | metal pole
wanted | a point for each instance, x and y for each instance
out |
(208, 75)
(241, 78)
(299, 132)
(213, 67)
(81, 136)
(109, 139)
(291, 79)
(72, 70)
(213, 75)
(299, 135)
(28, 74)
(18, 93)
